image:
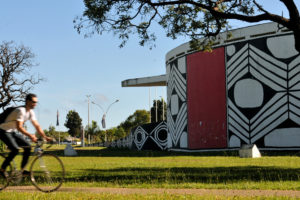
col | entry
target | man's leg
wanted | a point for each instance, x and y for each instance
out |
(9, 140)
(22, 142)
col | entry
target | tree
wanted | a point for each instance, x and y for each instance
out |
(110, 134)
(93, 131)
(195, 19)
(16, 81)
(119, 133)
(73, 123)
(161, 111)
(58, 135)
(139, 117)
(101, 135)
(114, 133)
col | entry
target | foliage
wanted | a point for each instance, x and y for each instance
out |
(139, 117)
(110, 133)
(119, 133)
(101, 136)
(73, 123)
(94, 131)
(161, 111)
(194, 19)
(58, 135)
(16, 81)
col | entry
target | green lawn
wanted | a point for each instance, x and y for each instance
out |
(98, 167)
(124, 168)
(91, 196)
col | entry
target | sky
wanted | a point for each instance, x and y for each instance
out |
(75, 67)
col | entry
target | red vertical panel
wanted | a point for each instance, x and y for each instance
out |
(206, 92)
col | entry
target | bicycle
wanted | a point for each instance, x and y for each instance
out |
(46, 171)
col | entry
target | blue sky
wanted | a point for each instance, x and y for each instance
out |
(74, 66)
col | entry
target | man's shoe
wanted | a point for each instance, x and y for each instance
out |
(26, 173)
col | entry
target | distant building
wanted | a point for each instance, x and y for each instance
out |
(247, 91)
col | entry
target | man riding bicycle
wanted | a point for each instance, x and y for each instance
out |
(14, 122)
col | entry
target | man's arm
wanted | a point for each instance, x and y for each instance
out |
(24, 131)
(40, 130)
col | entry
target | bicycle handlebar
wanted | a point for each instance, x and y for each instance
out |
(40, 142)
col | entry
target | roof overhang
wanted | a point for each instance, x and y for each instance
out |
(160, 80)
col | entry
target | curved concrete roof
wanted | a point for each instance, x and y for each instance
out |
(240, 34)
(160, 80)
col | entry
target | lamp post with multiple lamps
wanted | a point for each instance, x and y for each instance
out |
(104, 114)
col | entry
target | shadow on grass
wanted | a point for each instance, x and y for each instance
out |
(108, 152)
(135, 153)
(186, 175)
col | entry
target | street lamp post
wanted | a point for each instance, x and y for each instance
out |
(111, 105)
(98, 106)
(104, 114)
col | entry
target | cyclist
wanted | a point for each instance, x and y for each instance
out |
(14, 122)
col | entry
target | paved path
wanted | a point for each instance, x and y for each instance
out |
(289, 193)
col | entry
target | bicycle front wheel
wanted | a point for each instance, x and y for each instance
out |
(47, 172)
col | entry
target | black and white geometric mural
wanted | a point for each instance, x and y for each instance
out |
(263, 85)
(145, 137)
(177, 103)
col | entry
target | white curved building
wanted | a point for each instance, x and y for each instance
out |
(246, 91)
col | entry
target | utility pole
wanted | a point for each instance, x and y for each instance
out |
(155, 107)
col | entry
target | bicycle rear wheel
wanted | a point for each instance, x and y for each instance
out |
(47, 172)
(4, 179)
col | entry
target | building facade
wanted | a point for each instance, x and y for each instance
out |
(246, 91)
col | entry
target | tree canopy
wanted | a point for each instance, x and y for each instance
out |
(139, 117)
(16, 81)
(195, 19)
(58, 135)
(94, 131)
(73, 123)
(161, 111)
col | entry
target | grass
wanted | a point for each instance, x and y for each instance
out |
(96, 167)
(90, 196)
(99, 167)
(185, 172)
